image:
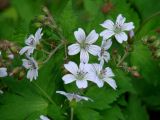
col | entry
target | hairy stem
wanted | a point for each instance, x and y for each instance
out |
(53, 52)
(123, 58)
(72, 113)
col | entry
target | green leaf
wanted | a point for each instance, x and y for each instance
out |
(87, 114)
(142, 58)
(113, 113)
(68, 20)
(102, 97)
(135, 110)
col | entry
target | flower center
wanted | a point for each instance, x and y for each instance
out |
(80, 75)
(101, 74)
(83, 45)
(117, 29)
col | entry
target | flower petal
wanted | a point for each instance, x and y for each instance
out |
(71, 67)
(106, 56)
(30, 40)
(94, 49)
(68, 78)
(74, 49)
(80, 35)
(111, 82)
(106, 44)
(121, 37)
(120, 20)
(108, 72)
(108, 24)
(128, 26)
(81, 84)
(28, 49)
(3, 72)
(106, 34)
(38, 35)
(84, 56)
(92, 37)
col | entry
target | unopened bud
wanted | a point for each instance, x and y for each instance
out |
(41, 18)
(11, 56)
(157, 53)
(14, 49)
(15, 71)
(156, 43)
(21, 75)
(151, 39)
(45, 10)
(136, 74)
(38, 24)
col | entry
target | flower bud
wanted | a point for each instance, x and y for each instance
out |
(41, 18)
(156, 43)
(21, 75)
(157, 53)
(14, 49)
(15, 71)
(136, 74)
(38, 24)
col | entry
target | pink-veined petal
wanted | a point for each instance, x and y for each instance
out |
(120, 20)
(92, 37)
(108, 24)
(73, 49)
(111, 82)
(81, 84)
(84, 56)
(80, 35)
(121, 37)
(71, 67)
(106, 34)
(68, 78)
(94, 49)
(128, 26)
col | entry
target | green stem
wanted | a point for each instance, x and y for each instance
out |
(44, 93)
(72, 113)
(53, 52)
(123, 58)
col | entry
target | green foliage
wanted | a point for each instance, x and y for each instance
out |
(25, 100)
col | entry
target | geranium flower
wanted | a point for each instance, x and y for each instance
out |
(32, 67)
(84, 45)
(32, 41)
(118, 29)
(72, 96)
(100, 75)
(104, 54)
(3, 72)
(78, 74)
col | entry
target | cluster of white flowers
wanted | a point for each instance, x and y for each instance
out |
(84, 45)
(30, 63)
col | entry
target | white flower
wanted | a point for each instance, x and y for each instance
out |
(32, 41)
(3, 72)
(72, 96)
(1, 92)
(100, 75)
(84, 45)
(104, 54)
(42, 117)
(118, 29)
(80, 75)
(32, 67)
